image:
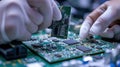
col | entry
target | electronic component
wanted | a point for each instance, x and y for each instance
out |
(54, 47)
(37, 46)
(58, 48)
(83, 48)
(58, 55)
(63, 49)
(60, 28)
(71, 42)
(55, 40)
(13, 50)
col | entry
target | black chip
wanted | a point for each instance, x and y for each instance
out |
(58, 55)
(98, 47)
(36, 45)
(83, 48)
(71, 42)
(33, 39)
(55, 40)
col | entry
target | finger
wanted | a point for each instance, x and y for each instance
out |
(108, 33)
(84, 30)
(116, 22)
(112, 32)
(31, 27)
(15, 23)
(23, 34)
(34, 15)
(46, 10)
(56, 12)
(12, 17)
(103, 21)
(90, 19)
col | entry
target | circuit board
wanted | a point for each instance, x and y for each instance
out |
(22, 62)
(60, 28)
(54, 46)
(62, 44)
(55, 49)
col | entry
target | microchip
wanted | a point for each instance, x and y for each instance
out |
(71, 42)
(58, 55)
(37, 45)
(98, 47)
(55, 40)
(83, 48)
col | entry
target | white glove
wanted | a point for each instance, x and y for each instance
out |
(48, 9)
(99, 20)
(18, 20)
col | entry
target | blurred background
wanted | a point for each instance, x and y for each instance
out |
(81, 8)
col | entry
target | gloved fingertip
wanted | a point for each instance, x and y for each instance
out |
(57, 17)
(84, 30)
(56, 12)
(96, 29)
(83, 33)
(82, 37)
(108, 33)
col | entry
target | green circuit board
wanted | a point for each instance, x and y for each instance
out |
(60, 28)
(62, 43)
(55, 49)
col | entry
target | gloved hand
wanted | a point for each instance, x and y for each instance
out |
(48, 9)
(18, 20)
(103, 21)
